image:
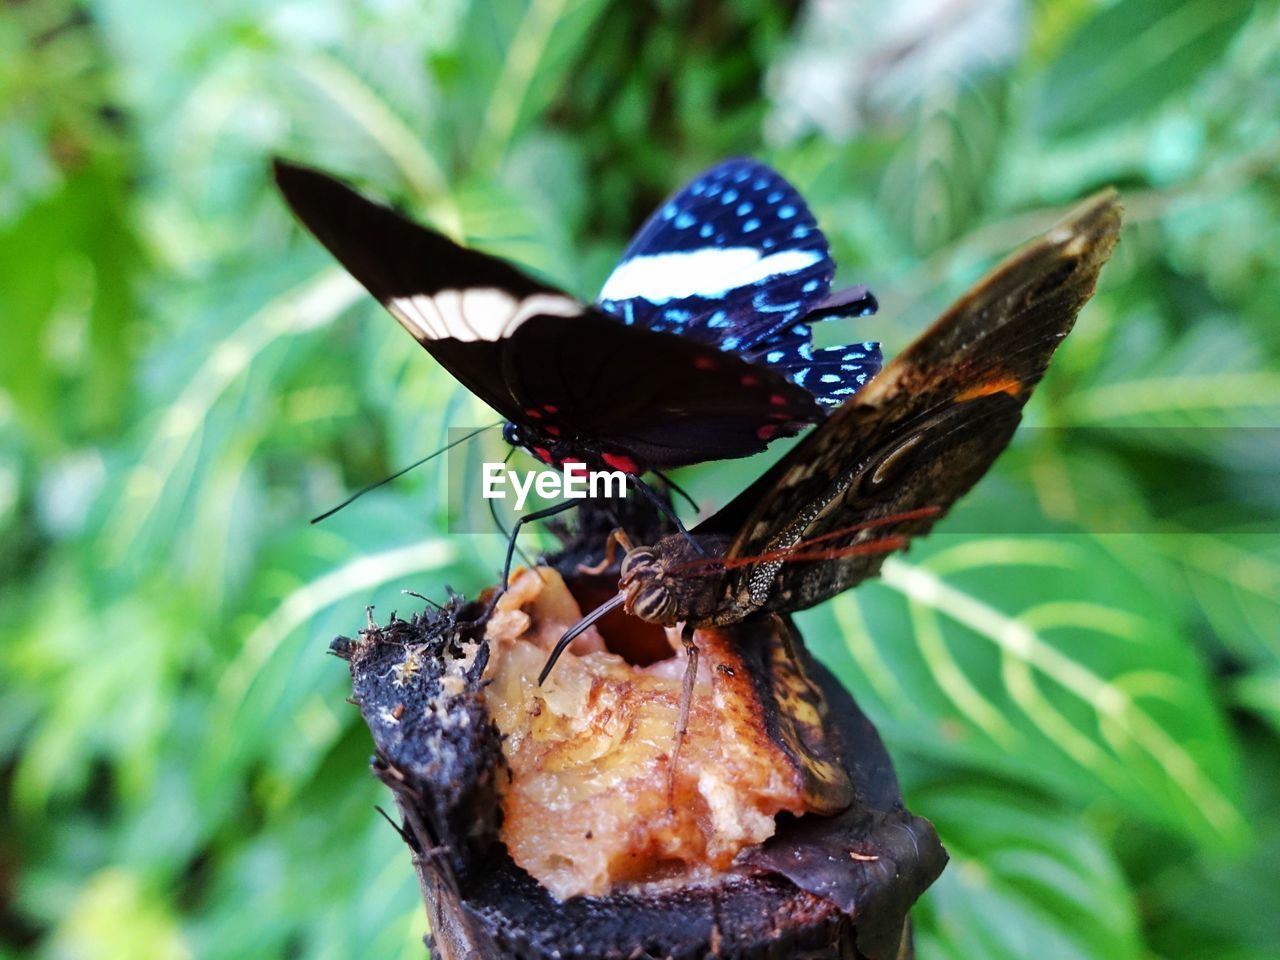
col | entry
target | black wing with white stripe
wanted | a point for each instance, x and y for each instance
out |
(578, 385)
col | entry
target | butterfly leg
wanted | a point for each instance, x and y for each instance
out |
(497, 522)
(667, 511)
(617, 538)
(515, 533)
(511, 549)
(686, 702)
(676, 488)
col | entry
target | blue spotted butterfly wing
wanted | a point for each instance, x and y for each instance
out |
(923, 432)
(736, 260)
(831, 374)
(578, 385)
(734, 256)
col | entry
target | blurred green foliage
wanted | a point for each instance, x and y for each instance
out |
(1079, 674)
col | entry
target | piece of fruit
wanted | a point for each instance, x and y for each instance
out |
(591, 801)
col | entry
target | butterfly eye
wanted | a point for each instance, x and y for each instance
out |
(891, 465)
(635, 563)
(654, 603)
(511, 434)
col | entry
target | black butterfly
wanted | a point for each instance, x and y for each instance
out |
(699, 348)
(889, 462)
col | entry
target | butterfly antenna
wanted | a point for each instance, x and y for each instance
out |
(400, 473)
(497, 522)
(573, 633)
(667, 511)
(672, 485)
(868, 548)
(808, 550)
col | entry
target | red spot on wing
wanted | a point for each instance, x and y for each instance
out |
(767, 432)
(574, 468)
(550, 408)
(533, 414)
(750, 380)
(621, 462)
(705, 363)
(552, 429)
(543, 454)
(778, 400)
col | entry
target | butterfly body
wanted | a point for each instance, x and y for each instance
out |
(889, 462)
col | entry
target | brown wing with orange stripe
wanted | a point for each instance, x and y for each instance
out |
(922, 432)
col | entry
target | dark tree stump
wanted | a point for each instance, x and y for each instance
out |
(821, 887)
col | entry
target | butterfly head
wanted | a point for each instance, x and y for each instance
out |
(668, 582)
(540, 443)
(649, 595)
(512, 434)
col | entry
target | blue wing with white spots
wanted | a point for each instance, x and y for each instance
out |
(831, 374)
(730, 260)
(736, 260)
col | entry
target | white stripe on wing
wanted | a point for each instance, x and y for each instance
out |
(480, 313)
(709, 272)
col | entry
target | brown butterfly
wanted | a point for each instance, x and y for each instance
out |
(889, 462)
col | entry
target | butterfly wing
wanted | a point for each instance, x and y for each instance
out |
(667, 401)
(831, 374)
(922, 432)
(735, 256)
(735, 260)
(538, 356)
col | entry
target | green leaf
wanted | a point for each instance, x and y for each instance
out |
(1131, 56)
(68, 270)
(518, 55)
(1034, 657)
(115, 914)
(1260, 691)
(938, 180)
(142, 522)
(377, 116)
(1234, 582)
(1223, 905)
(1025, 880)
